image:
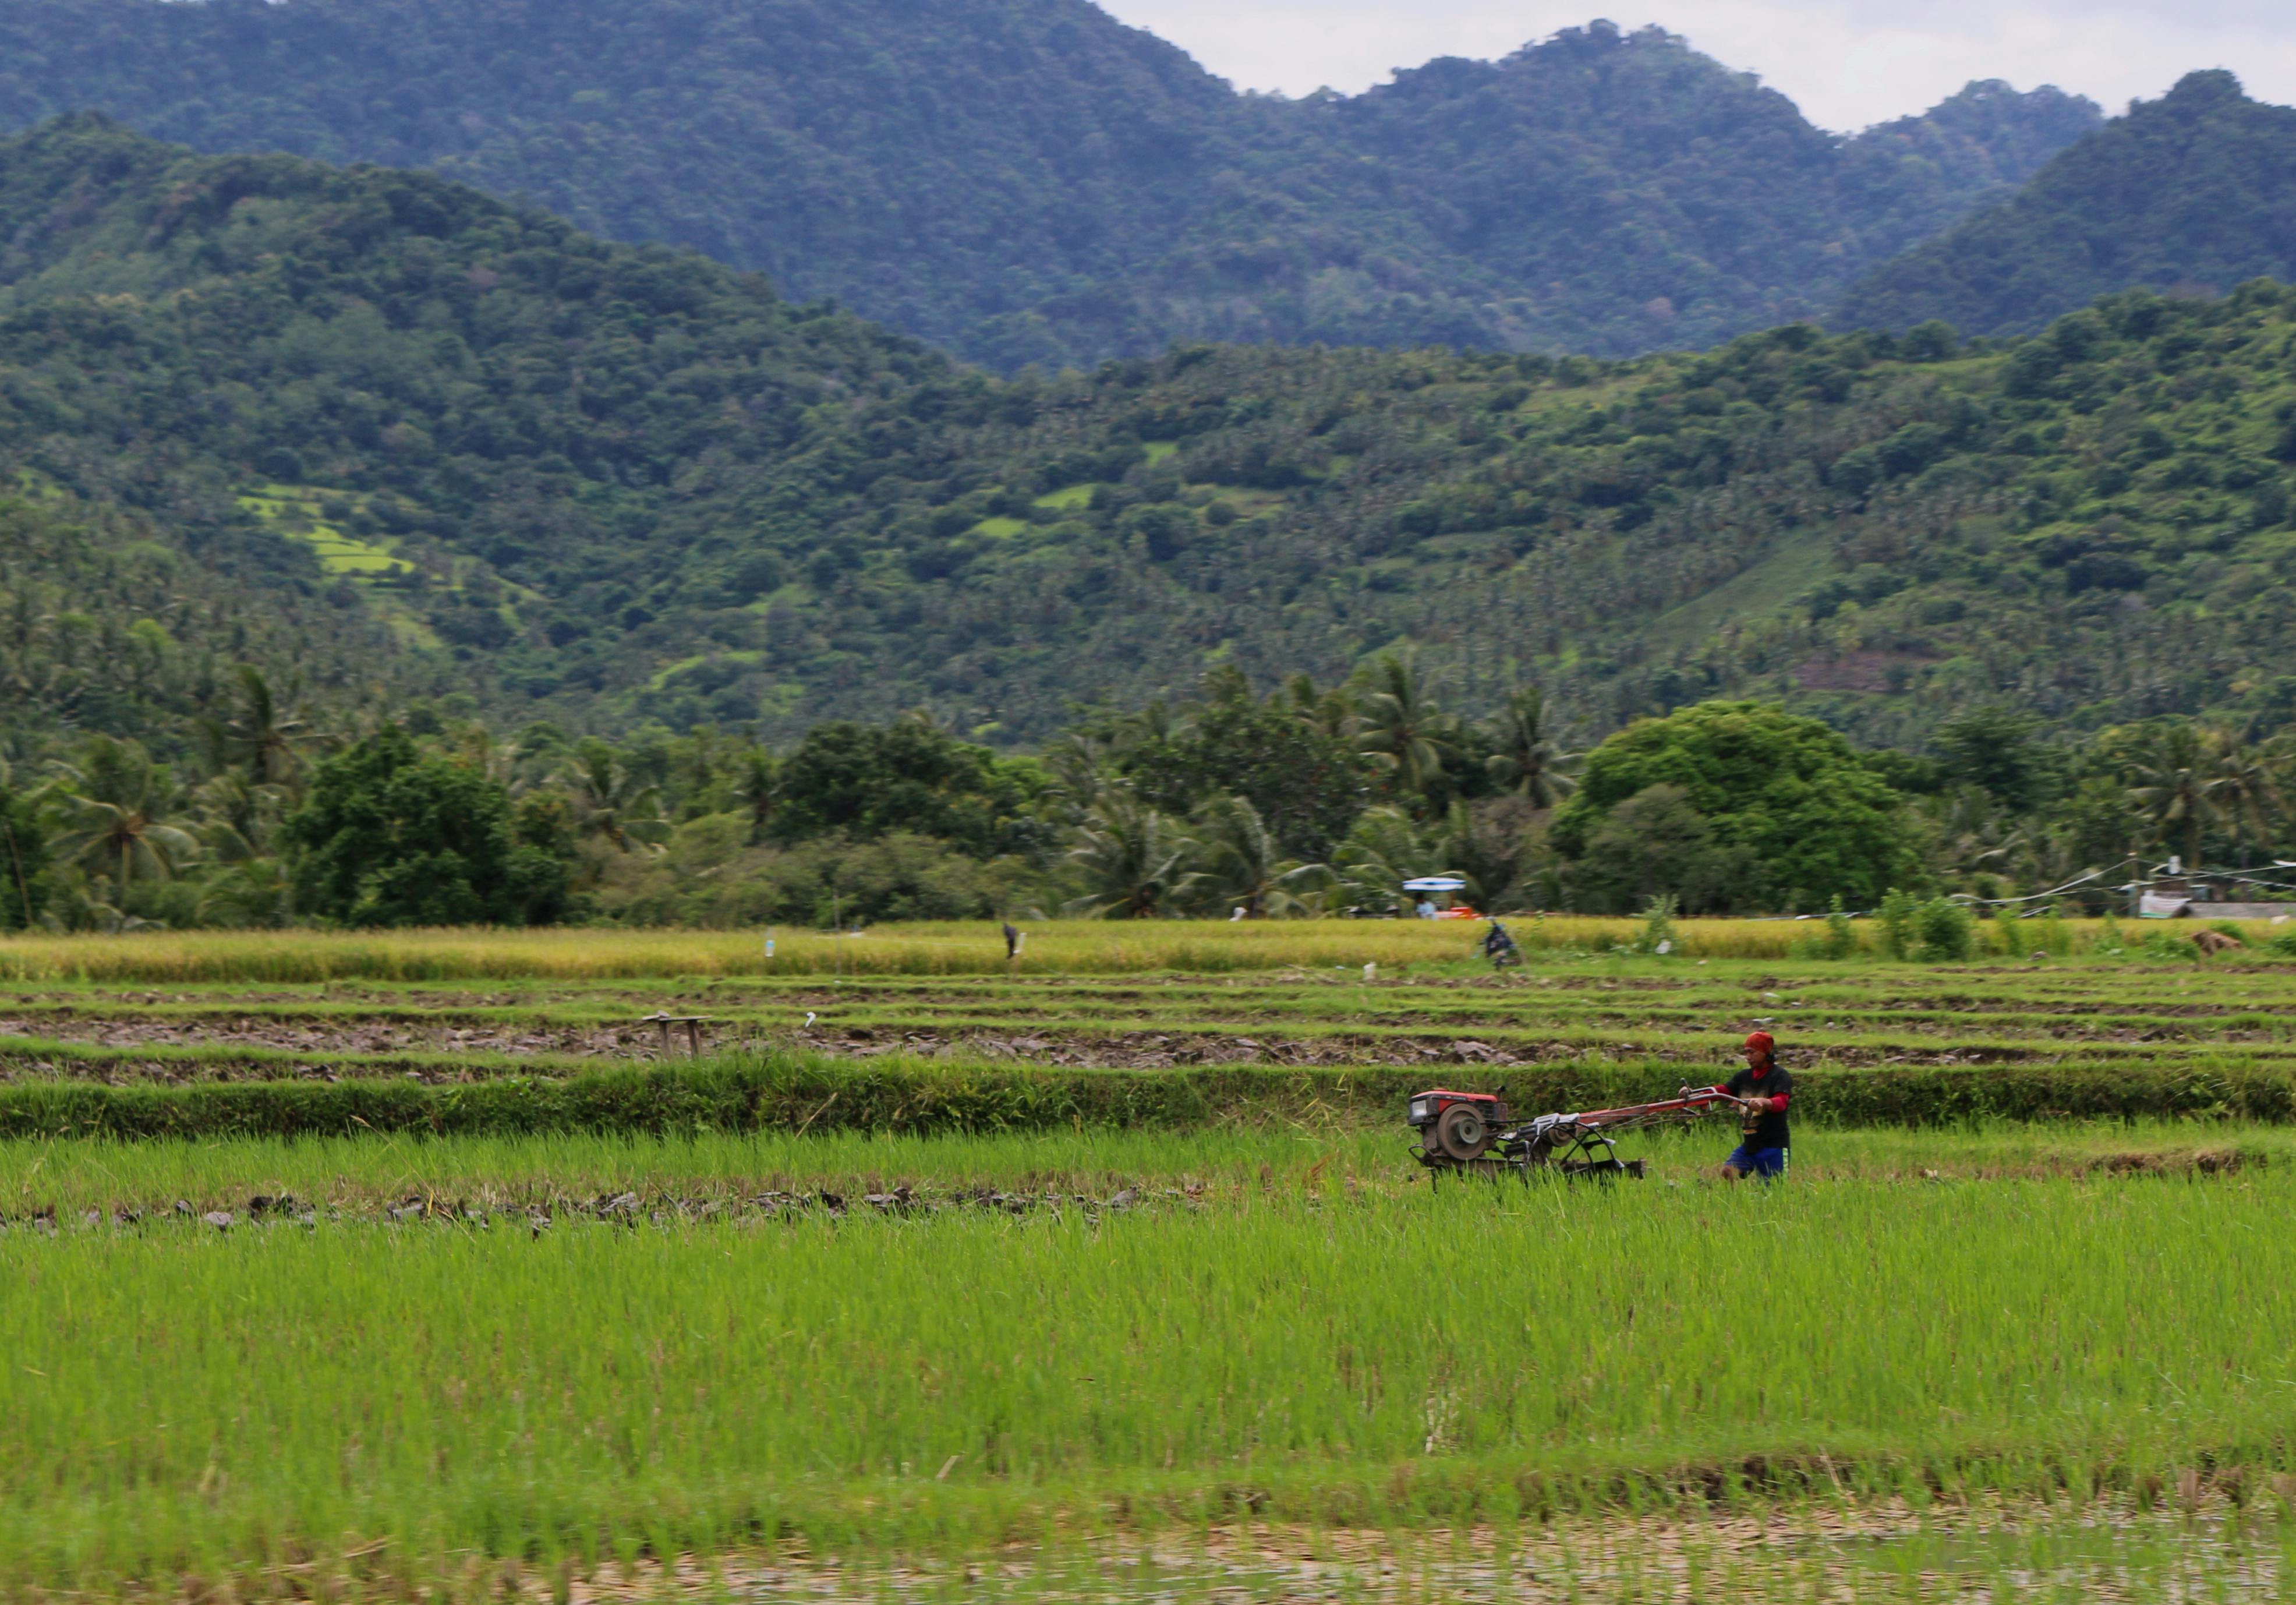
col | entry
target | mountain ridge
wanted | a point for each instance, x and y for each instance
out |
(1028, 181)
(618, 485)
(2185, 193)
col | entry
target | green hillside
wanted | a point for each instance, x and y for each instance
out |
(610, 484)
(1025, 180)
(106, 623)
(2188, 194)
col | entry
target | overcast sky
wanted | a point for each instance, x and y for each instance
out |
(1847, 63)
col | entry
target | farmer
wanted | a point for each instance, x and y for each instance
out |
(1762, 1090)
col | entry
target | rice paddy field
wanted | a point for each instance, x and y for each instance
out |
(436, 1267)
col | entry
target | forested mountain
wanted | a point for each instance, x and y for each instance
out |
(1028, 181)
(2190, 194)
(612, 484)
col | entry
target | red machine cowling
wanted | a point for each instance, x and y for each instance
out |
(1461, 1126)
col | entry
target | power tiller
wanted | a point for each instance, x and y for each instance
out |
(1473, 1133)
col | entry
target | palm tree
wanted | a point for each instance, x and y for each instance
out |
(1150, 727)
(237, 816)
(2179, 779)
(1405, 729)
(1081, 764)
(1975, 837)
(1248, 869)
(264, 736)
(477, 747)
(116, 806)
(611, 802)
(257, 893)
(1133, 859)
(1384, 848)
(2248, 789)
(758, 787)
(1332, 712)
(1525, 756)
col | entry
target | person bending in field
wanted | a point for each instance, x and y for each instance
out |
(1762, 1091)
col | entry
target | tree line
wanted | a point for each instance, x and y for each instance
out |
(1242, 801)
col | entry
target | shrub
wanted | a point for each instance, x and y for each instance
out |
(1898, 937)
(1944, 930)
(2048, 934)
(390, 836)
(2169, 945)
(1657, 935)
(1837, 941)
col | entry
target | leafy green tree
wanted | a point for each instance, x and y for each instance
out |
(1999, 749)
(1304, 782)
(1811, 818)
(2248, 794)
(1490, 843)
(865, 781)
(390, 836)
(254, 893)
(757, 787)
(1657, 845)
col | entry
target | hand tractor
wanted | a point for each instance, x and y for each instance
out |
(1473, 1134)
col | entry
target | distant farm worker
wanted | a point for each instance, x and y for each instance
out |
(1762, 1090)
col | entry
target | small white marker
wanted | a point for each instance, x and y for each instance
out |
(808, 1019)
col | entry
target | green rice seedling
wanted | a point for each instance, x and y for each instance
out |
(184, 1400)
(362, 1174)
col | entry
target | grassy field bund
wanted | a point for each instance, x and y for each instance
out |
(421, 1272)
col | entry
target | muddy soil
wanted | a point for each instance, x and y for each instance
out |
(2197, 1542)
(426, 1052)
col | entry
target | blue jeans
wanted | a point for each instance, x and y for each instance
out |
(1767, 1163)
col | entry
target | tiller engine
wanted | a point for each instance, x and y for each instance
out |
(1474, 1132)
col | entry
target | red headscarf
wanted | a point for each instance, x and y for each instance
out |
(1762, 1040)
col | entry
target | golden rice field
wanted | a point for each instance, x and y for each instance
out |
(1053, 947)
